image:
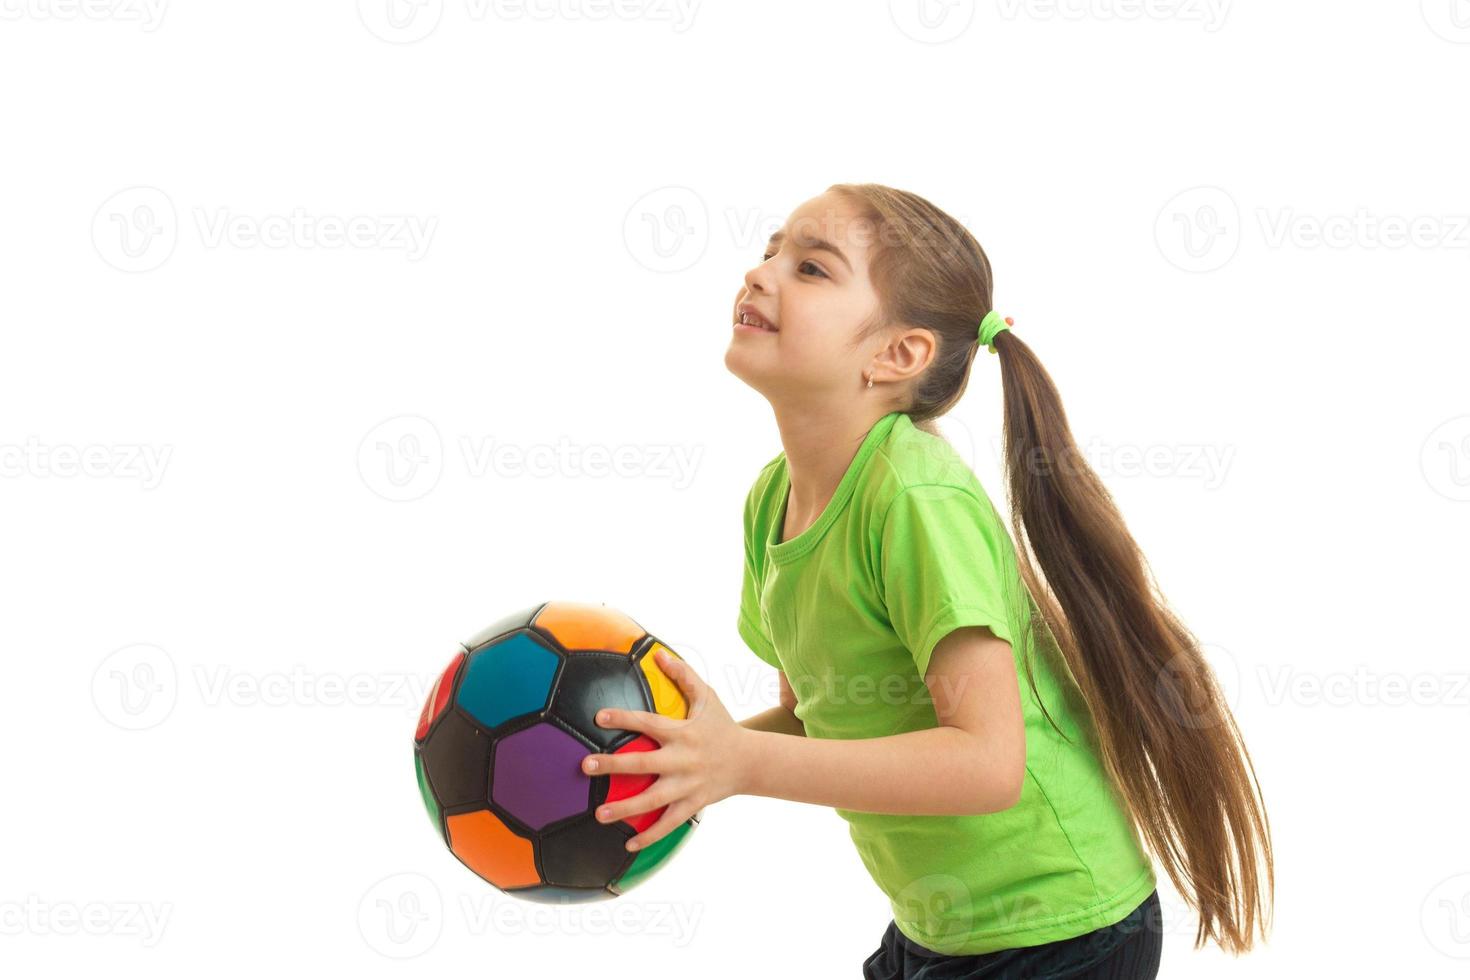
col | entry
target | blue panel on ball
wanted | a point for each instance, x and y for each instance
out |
(511, 678)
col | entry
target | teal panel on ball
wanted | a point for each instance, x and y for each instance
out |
(511, 678)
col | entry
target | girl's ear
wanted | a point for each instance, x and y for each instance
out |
(908, 354)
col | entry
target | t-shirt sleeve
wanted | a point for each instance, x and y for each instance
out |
(751, 625)
(944, 562)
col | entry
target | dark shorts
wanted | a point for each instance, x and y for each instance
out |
(1126, 950)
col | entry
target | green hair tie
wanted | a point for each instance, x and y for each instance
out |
(993, 324)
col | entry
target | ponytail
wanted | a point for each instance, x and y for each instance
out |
(1166, 735)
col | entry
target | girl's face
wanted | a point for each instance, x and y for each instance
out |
(812, 285)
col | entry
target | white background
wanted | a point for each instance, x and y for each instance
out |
(259, 481)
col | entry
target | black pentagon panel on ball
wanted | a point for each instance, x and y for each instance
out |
(593, 681)
(457, 762)
(557, 895)
(585, 853)
(515, 621)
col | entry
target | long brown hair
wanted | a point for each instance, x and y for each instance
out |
(1165, 733)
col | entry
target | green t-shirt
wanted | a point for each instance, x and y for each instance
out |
(908, 549)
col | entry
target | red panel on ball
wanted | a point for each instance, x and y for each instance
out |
(622, 785)
(438, 697)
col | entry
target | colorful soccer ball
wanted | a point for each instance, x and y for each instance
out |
(499, 748)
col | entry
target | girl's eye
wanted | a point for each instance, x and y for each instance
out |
(816, 269)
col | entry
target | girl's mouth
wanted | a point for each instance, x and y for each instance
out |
(754, 323)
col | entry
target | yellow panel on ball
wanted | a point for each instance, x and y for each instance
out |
(582, 626)
(667, 698)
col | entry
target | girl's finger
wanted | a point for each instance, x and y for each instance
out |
(676, 814)
(633, 721)
(679, 671)
(604, 764)
(648, 800)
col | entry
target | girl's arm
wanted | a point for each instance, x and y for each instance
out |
(780, 719)
(973, 761)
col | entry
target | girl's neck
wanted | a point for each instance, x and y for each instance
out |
(819, 448)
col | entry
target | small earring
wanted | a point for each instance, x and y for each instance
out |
(870, 381)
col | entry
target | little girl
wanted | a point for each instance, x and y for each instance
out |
(1004, 729)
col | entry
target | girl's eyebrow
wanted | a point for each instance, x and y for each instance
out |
(820, 244)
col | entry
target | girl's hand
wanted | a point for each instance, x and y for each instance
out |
(701, 759)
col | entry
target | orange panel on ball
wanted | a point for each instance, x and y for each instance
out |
(622, 785)
(581, 626)
(492, 850)
(667, 698)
